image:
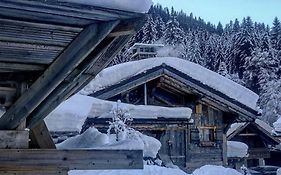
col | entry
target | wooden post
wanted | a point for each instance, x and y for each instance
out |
(145, 94)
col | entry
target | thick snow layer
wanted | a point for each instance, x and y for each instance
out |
(148, 170)
(157, 170)
(102, 108)
(277, 125)
(234, 127)
(116, 74)
(215, 170)
(94, 139)
(141, 6)
(69, 115)
(236, 149)
(264, 125)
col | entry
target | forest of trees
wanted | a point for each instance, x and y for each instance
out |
(245, 51)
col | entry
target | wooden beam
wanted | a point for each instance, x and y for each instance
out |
(12, 67)
(13, 139)
(50, 159)
(86, 71)
(74, 54)
(57, 12)
(40, 137)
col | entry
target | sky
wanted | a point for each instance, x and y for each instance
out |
(226, 10)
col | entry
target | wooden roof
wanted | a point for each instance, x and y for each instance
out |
(185, 83)
(257, 126)
(55, 48)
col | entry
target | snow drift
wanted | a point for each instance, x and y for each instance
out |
(94, 139)
(141, 6)
(215, 170)
(116, 74)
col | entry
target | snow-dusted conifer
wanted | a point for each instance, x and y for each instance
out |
(120, 118)
(149, 31)
(173, 34)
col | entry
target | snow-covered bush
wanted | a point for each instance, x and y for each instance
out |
(120, 118)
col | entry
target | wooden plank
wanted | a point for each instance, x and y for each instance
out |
(74, 54)
(14, 139)
(88, 69)
(40, 137)
(57, 12)
(11, 67)
(36, 33)
(50, 159)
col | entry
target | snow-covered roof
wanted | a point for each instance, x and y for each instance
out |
(118, 73)
(234, 127)
(71, 114)
(237, 149)
(148, 45)
(238, 126)
(277, 125)
(140, 6)
(102, 108)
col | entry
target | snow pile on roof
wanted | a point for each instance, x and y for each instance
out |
(264, 125)
(92, 138)
(234, 127)
(116, 74)
(102, 108)
(70, 115)
(277, 125)
(215, 170)
(236, 149)
(148, 170)
(140, 6)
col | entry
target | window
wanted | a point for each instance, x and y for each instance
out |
(207, 135)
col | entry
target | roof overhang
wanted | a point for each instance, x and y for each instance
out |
(56, 48)
(245, 113)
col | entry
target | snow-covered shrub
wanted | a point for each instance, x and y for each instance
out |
(120, 118)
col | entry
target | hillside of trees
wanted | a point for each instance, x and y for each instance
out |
(245, 51)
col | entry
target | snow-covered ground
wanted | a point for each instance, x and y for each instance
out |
(157, 170)
(148, 170)
(71, 114)
(115, 74)
(92, 138)
(237, 149)
(141, 6)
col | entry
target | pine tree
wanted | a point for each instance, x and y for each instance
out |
(160, 27)
(149, 31)
(275, 34)
(219, 28)
(173, 34)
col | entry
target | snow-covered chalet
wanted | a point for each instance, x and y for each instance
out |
(216, 102)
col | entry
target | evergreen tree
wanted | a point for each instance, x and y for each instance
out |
(275, 34)
(173, 34)
(149, 31)
(219, 28)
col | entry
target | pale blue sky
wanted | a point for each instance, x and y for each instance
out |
(226, 10)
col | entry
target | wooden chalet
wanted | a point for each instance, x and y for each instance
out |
(170, 82)
(49, 50)
(258, 136)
